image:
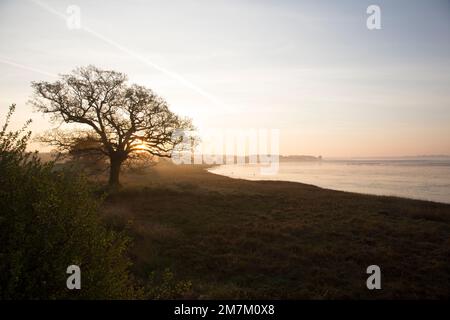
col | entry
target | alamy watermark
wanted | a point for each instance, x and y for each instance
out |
(229, 146)
(74, 280)
(73, 20)
(373, 21)
(374, 280)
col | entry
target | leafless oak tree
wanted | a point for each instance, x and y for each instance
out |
(118, 119)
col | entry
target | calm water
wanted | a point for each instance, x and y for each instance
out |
(417, 179)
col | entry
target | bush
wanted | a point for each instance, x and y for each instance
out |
(49, 220)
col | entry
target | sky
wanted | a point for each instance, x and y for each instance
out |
(311, 69)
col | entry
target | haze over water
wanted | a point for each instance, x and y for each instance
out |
(417, 179)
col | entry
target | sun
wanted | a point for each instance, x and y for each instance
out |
(140, 146)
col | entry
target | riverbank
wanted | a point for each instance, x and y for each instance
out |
(234, 238)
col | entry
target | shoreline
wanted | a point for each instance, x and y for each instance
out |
(212, 167)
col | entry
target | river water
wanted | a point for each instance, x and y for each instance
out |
(417, 179)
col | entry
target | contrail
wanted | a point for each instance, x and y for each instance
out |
(137, 56)
(22, 66)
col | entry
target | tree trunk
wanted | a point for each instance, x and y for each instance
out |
(114, 171)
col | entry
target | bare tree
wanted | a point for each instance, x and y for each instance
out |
(118, 119)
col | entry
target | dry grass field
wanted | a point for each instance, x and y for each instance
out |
(231, 238)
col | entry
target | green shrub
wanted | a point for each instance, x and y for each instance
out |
(49, 220)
